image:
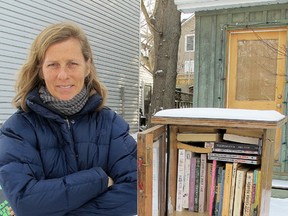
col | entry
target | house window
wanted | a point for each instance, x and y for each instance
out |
(189, 43)
(189, 67)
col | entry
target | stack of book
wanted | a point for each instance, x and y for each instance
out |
(218, 174)
(236, 148)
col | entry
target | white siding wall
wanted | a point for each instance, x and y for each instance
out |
(112, 27)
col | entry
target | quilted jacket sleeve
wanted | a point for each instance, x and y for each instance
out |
(28, 193)
(121, 197)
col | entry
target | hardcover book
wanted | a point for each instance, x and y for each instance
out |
(192, 182)
(221, 193)
(198, 137)
(212, 190)
(245, 132)
(237, 156)
(234, 160)
(185, 201)
(209, 182)
(203, 183)
(180, 179)
(239, 190)
(248, 193)
(232, 192)
(236, 145)
(241, 139)
(227, 189)
(237, 151)
(219, 185)
(197, 184)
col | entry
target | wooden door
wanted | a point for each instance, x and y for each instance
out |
(256, 72)
(151, 154)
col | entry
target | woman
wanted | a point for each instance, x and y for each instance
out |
(63, 152)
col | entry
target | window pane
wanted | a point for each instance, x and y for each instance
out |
(190, 43)
(256, 70)
(189, 66)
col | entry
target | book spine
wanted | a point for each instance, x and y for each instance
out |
(192, 182)
(232, 192)
(257, 196)
(237, 156)
(253, 192)
(203, 183)
(218, 189)
(209, 182)
(241, 139)
(212, 192)
(227, 189)
(248, 193)
(239, 193)
(197, 184)
(221, 193)
(238, 146)
(239, 151)
(180, 179)
(185, 201)
(255, 162)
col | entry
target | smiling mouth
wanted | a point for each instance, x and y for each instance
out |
(65, 86)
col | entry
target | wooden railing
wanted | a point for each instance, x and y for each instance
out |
(183, 100)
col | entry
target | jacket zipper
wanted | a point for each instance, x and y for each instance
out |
(68, 123)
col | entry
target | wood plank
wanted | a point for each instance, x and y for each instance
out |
(266, 171)
(221, 123)
(172, 179)
(145, 168)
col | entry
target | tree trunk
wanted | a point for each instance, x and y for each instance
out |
(167, 30)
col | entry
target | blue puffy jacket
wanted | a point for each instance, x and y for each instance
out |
(52, 165)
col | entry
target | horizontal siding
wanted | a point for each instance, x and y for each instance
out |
(113, 31)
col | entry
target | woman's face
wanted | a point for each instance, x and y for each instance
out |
(64, 69)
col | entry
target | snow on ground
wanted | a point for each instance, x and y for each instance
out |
(279, 207)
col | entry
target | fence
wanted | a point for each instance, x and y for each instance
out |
(183, 100)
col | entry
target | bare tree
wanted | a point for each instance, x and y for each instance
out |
(165, 27)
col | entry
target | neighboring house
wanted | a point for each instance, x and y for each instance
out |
(145, 93)
(240, 59)
(186, 51)
(112, 28)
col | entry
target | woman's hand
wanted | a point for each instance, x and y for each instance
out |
(110, 181)
(11, 211)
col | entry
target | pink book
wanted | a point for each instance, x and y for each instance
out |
(192, 182)
(213, 182)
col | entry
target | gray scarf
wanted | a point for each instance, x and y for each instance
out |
(69, 107)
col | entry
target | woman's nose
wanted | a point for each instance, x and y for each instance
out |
(63, 73)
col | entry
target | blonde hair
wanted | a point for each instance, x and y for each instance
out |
(30, 73)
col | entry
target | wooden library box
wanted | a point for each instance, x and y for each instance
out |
(207, 161)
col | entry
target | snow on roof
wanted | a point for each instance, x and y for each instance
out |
(222, 113)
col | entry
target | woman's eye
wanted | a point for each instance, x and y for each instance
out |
(51, 65)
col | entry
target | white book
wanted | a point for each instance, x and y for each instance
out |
(185, 201)
(203, 183)
(239, 191)
(180, 179)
